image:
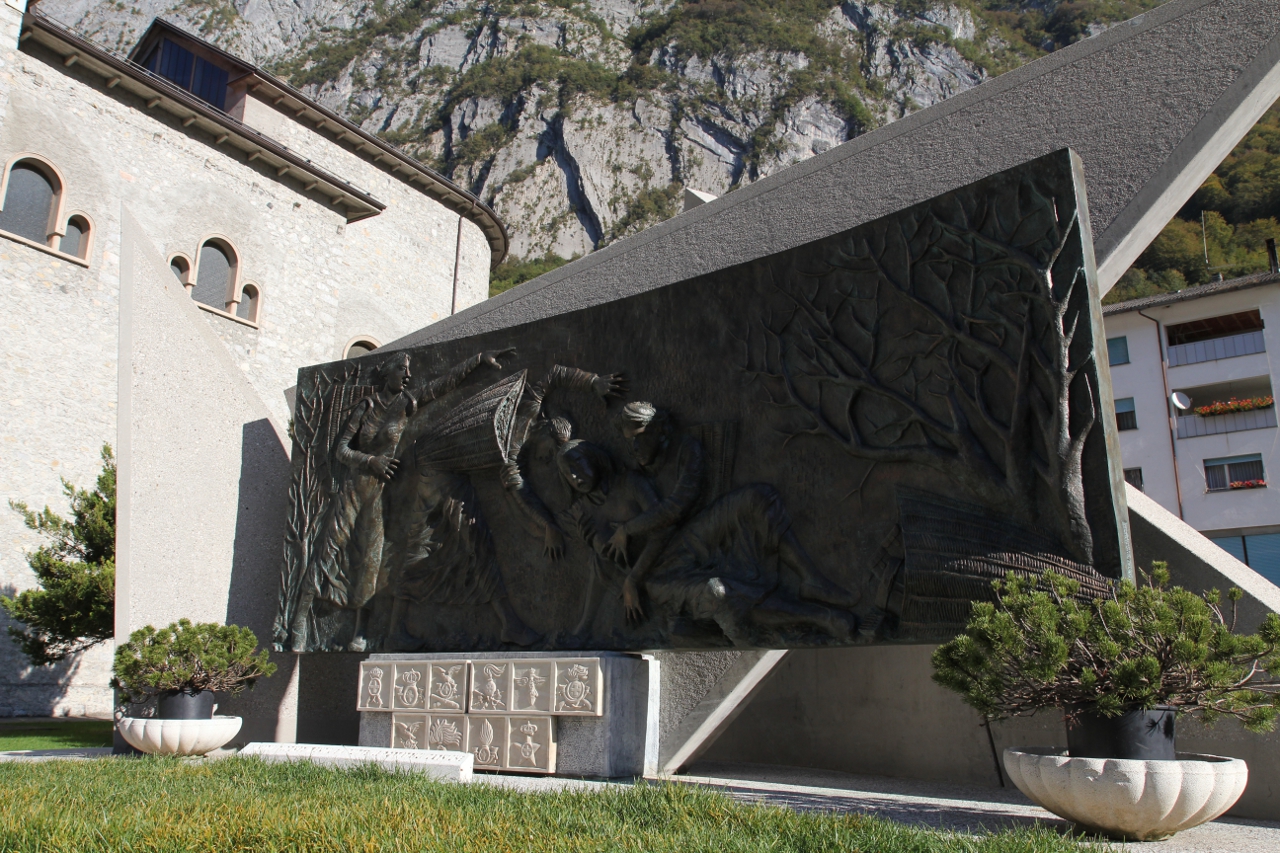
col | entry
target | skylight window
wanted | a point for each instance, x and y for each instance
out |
(198, 76)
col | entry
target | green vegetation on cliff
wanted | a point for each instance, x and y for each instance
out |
(389, 37)
(1223, 229)
(515, 271)
(465, 84)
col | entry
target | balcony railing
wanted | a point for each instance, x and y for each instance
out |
(1192, 426)
(1212, 350)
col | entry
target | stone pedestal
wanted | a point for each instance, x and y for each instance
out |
(571, 714)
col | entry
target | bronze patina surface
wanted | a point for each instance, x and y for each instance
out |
(840, 443)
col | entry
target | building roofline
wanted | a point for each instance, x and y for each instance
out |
(1195, 292)
(358, 203)
(160, 26)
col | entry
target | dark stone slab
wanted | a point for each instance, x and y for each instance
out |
(843, 442)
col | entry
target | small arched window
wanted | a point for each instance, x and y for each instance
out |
(32, 192)
(76, 239)
(359, 347)
(215, 274)
(250, 301)
(181, 268)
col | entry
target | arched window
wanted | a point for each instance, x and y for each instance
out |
(181, 268)
(215, 274)
(359, 346)
(31, 195)
(78, 236)
(250, 301)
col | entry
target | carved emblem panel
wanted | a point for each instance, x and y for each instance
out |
(532, 689)
(409, 690)
(375, 688)
(487, 741)
(499, 742)
(447, 692)
(531, 745)
(579, 689)
(571, 687)
(409, 731)
(490, 686)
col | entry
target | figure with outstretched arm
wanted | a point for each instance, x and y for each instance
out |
(533, 426)
(347, 559)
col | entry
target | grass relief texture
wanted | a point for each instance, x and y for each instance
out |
(155, 804)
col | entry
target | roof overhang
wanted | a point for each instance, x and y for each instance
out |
(157, 93)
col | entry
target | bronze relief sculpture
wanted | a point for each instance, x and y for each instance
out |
(841, 443)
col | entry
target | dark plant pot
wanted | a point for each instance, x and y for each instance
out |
(182, 705)
(1137, 734)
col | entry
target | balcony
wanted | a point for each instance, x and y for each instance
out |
(1232, 346)
(1194, 426)
(1216, 401)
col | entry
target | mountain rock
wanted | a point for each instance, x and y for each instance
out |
(580, 121)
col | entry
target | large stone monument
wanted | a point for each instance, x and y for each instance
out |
(839, 443)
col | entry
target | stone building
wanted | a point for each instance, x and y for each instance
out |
(299, 237)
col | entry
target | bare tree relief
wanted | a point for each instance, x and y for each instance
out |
(954, 335)
(316, 423)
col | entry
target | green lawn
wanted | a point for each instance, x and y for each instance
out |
(37, 733)
(235, 804)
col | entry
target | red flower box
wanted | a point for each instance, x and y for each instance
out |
(1235, 405)
(1249, 484)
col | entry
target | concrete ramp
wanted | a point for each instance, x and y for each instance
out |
(202, 480)
(1194, 561)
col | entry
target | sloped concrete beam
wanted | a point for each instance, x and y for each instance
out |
(202, 480)
(716, 703)
(1151, 106)
(1194, 561)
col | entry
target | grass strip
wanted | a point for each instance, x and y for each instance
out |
(236, 804)
(45, 734)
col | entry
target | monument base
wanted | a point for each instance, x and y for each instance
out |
(567, 713)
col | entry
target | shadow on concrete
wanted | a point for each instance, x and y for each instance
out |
(32, 691)
(327, 686)
(255, 571)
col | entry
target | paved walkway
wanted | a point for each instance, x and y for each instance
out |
(78, 753)
(952, 807)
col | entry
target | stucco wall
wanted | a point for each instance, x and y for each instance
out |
(58, 394)
(323, 282)
(203, 480)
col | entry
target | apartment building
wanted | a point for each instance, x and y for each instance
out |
(1191, 375)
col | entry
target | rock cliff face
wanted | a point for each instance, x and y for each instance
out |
(581, 121)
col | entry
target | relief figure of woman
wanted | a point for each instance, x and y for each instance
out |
(346, 566)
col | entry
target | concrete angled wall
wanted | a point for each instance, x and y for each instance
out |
(203, 479)
(1151, 106)
(875, 709)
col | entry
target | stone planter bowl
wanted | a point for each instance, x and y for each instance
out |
(177, 737)
(1128, 799)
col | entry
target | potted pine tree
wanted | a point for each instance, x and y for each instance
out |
(180, 667)
(1122, 670)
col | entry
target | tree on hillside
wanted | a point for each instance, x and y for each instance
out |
(1223, 229)
(73, 607)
